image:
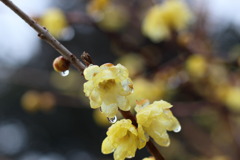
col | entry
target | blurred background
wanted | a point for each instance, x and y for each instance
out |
(193, 63)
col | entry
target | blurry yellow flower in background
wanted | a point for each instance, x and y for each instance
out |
(196, 66)
(96, 6)
(114, 18)
(232, 99)
(55, 22)
(133, 62)
(108, 16)
(146, 89)
(123, 139)
(30, 101)
(107, 87)
(47, 101)
(156, 119)
(161, 19)
(33, 101)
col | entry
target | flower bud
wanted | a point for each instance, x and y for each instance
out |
(60, 64)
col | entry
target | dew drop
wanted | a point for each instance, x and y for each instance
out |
(113, 119)
(65, 73)
(177, 129)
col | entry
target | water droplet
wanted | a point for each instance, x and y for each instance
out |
(65, 73)
(113, 119)
(177, 129)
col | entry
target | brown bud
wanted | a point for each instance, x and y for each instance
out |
(86, 58)
(60, 64)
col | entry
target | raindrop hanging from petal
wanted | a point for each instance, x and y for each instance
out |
(113, 119)
(177, 129)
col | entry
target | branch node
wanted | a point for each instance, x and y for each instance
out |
(86, 58)
(40, 35)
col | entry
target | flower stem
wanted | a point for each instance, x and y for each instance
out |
(153, 150)
(45, 35)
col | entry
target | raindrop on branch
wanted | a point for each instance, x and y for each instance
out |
(64, 73)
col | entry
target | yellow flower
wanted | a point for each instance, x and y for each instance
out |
(30, 101)
(123, 139)
(113, 19)
(232, 98)
(149, 158)
(162, 18)
(196, 65)
(55, 22)
(96, 6)
(133, 62)
(33, 101)
(107, 87)
(157, 119)
(146, 89)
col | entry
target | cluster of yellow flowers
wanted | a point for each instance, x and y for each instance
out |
(202, 71)
(161, 19)
(108, 87)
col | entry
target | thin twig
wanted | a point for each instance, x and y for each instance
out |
(45, 35)
(153, 150)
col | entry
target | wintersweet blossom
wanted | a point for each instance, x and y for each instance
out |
(123, 138)
(107, 87)
(146, 89)
(113, 18)
(164, 17)
(96, 6)
(231, 98)
(156, 119)
(196, 66)
(55, 22)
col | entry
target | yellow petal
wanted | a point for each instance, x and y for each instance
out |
(91, 71)
(109, 110)
(126, 148)
(143, 139)
(95, 99)
(107, 147)
(123, 103)
(143, 117)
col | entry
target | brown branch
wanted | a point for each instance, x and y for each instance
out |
(153, 150)
(45, 35)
